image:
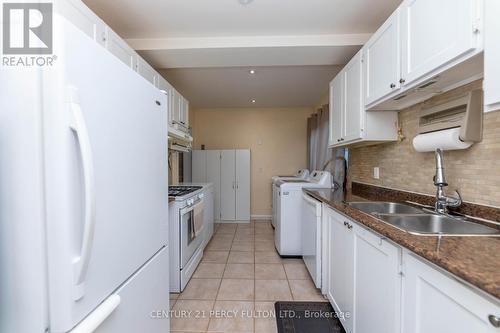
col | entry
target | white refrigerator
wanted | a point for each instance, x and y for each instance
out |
(83, 194)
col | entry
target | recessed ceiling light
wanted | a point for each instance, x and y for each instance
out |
(245, 2)
(252, 71)
(253, 101)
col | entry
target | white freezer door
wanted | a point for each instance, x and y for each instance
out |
(106, 174)
(144, 301)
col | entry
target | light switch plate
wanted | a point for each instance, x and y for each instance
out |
(376, 172)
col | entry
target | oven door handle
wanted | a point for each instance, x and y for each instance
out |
(191, 222)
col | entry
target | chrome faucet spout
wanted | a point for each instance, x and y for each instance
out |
(442, 200)
(439, 178)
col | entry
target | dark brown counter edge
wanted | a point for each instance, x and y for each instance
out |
(170, 199)
(476, 260)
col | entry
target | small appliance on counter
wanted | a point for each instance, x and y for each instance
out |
(186, 233)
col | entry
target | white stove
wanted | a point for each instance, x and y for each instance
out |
(186, 233)
(182, 192)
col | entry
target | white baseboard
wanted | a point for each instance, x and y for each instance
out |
(261, 218)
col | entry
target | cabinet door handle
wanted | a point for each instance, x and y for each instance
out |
(393, 85)
(494, 320)
(345, 224)
(402, 80)
(349, 226)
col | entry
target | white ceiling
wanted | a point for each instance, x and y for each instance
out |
(200, 40)
(197, 18)
(284, 86)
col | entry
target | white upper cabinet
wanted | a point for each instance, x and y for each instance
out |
(354, 109)
(349, 121)
(120, 48)
(434, 33)
(336, 110)
(382, 60)
(436, 303)
(425, 46)
(184, 112)
(146, 71)
(491, 55)
(83, 18)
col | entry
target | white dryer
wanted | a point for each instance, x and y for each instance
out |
(287, 236)
(301, 174)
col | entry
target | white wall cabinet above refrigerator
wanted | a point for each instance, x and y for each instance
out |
(120, 48)
(349, 122)
(88, 22)
(83, 18)
(146, 71)
(425, 46)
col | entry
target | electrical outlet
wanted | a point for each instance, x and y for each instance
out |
(376, 172)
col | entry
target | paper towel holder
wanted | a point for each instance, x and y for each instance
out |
(464, 111)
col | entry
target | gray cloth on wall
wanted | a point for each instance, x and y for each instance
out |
(319, 155)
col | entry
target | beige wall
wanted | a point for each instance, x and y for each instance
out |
(474, 171)
(276, 138)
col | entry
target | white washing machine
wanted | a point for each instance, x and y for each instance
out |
(288, 233)
(301, 174)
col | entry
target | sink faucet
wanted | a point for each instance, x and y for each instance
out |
(443, 201)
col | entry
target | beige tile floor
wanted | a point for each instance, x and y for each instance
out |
(236, 284)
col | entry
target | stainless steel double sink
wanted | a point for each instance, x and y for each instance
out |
(421, 222)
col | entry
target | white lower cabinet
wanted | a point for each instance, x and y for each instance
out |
(435, 303)
(363, 280)
(340, 275)
(376, 286)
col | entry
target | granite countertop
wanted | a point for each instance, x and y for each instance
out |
(476, 260)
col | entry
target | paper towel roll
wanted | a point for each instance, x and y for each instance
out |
(446, 139)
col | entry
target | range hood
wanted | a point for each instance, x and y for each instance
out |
(179, 138)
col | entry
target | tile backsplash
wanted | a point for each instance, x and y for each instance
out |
(475, 172)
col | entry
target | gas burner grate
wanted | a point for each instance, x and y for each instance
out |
(179, 190)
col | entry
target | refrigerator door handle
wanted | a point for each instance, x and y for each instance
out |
(78, 126)
(98, 316)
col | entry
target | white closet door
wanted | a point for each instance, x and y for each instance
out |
(242, 185)
(213, 159)
(199, 164)
(227, 185)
